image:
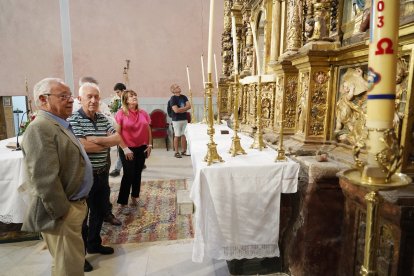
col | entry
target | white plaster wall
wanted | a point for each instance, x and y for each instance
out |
(160, 37)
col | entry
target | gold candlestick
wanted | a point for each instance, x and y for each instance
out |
(258, 136)
(212, 155)
(205, 119)
(218, 104)
(125, 73)
(281, 157)
(384, 151)
(236, 148)
(193, 120)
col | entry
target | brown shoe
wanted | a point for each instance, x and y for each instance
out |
(112, 220)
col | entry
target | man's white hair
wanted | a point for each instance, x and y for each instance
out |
(44, 87)
(87, 85)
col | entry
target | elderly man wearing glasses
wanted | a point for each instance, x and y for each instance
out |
(59, 177)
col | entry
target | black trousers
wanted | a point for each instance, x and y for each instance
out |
(98, 208)
(131, 180)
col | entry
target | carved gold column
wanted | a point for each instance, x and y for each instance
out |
(293, 28)
(285, 97)
(275, 37)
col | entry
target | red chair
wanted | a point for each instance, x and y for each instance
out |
(159, 125)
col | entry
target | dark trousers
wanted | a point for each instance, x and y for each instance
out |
(98, 207)
(131, 180)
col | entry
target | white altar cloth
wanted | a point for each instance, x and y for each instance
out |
(12, 174)
(237, 203)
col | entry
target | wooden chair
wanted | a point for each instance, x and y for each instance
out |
(159, 125)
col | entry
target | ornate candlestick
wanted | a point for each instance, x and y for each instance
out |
(218, 120)
(280, 150)
(125, 73)
(212, 155)
(384, 151)
(205, 109)
(193, 120)
(236, 148)
(258, 136)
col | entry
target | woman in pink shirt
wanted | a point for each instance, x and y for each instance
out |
(134, 127)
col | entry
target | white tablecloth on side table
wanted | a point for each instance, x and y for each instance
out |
(12, 174)
(237, 203)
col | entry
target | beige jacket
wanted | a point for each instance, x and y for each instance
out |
(55, 168)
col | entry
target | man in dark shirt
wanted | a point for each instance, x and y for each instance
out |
(180, 105)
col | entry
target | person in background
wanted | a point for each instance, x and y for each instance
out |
(134, 128)
(116, 104)
(180, 105)
(97, 135)
(60, 177)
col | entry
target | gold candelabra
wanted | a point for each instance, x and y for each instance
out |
(212, 156)
(205, 109)
(193, 120)
(281, 157)
(218, 105)
(236, 148)
(258, 136)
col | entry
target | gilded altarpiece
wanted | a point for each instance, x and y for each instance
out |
(312, 104)
(249, 90)
(268, 106)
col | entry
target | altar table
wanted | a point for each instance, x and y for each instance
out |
(12, 174)
(237, 202)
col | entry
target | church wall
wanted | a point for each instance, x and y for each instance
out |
(159, 37)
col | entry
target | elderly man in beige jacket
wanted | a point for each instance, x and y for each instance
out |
(59, 177)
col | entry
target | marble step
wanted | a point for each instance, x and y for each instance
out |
(185, 205)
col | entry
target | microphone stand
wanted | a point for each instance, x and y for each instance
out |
(18, 129)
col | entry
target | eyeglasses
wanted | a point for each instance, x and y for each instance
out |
(63, 97)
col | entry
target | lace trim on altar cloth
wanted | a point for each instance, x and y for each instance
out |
(250, 251)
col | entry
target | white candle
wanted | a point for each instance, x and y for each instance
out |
(188, 78)
(202, 70)
(215, 68)
(210, 38)
(234, 34)
(252, 25)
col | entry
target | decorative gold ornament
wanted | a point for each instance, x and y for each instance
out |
(212, 156)
(258, 142)
(236, 148)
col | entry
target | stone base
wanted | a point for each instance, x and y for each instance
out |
(184, 204)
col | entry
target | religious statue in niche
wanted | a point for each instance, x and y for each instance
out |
(350, 113)
(266, 108)
(302, 103)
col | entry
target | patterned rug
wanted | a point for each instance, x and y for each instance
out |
(155, 219)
